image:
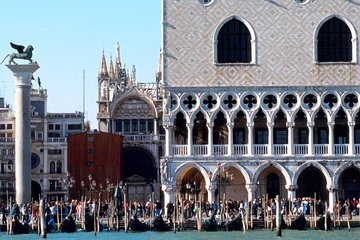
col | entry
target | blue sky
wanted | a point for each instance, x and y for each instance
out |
(69, 37)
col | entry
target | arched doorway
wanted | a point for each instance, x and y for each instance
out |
(272, 185)
(271, 181)
(35, 190)
(312, 181)
(140, 173)
(349, 184)
(191, 185)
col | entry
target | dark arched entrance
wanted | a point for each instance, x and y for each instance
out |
(140, 173)
(312, 181)
(350, 183)
(273, 185)
(35, 190)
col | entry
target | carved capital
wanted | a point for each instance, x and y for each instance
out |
(311, 124)
(250, 124)
(351, 124)
(251, 187)
(190, 125)
(331, 188)
(270, 124)
(210, 187)
(290, 124)
(291, 188)
(210, 125)
(331, 124)
(168, 188)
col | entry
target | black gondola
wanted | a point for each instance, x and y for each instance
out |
(235, 224)
(89, 223)
(298, 223)
(320, 223)
(137, 226)
(160, 225)
(68, 225)
(210, 225)
(19, 228)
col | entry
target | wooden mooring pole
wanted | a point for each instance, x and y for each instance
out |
(278, 217)
(42, 218)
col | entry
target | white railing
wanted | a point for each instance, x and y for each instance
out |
(240, 149)
(321, 149)
(341, 149)
(357, 149)
(200, 150)
(220, 150)
(280, 149)
(142, 137)
(179, 150)
(260, 149)
(301, 149)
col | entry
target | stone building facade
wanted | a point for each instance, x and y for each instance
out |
(133, 110)
(261, 97)
(49, 132)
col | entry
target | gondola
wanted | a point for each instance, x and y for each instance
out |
(320, 223)
(68, 225)
(298, 223)
(137, 226)
(160, 225)
(89, 223)
(19, 228)
(234, 224)
(210, 225)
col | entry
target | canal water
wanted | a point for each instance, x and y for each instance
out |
(193, 235)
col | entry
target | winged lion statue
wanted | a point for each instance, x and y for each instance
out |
(23, 53)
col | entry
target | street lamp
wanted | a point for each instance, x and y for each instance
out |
(68, 182)
(188, 188)
(223, 178)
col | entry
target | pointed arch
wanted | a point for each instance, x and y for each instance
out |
(183, 167)
(341, 169)
(238, 167)
(317, 165)
(262, 167)
(322, 47)
(248, 39)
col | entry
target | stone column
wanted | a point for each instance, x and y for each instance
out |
(351, 138)
(332, 197)
(210, 139)
(168, 195)
(291, 191)
(331, 138)
(22, 77)
(250, 126)
(311, 138)
(190, 138)
(211, 193)
(270, 138)
(230, 139)
(251, 188)
(156, 132)
(290, 126)
(168, 138)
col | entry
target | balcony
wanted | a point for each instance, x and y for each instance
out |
(180, 150)
(143, 138)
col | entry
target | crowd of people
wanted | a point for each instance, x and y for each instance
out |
(55, 211)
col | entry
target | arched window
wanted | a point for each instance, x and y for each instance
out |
(58, 167)
(52, 167)
(334, 42)
(234, 43)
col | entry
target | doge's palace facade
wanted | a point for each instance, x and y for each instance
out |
(261, 97)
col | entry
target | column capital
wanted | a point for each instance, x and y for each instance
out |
(230, 124)
(251, 187)
(332, 188)
(270, 124)
(210, 187)
(352, 124)
(291, 187)
(168, 188)
(311, 124)
(250, 124)
(190, 125)
(210, 125)
(290, 124)
(331, 124)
